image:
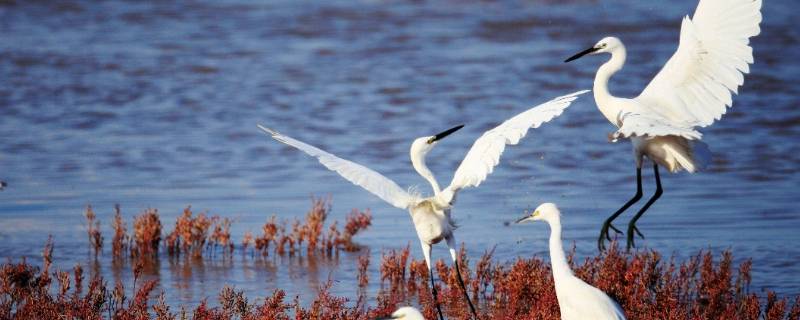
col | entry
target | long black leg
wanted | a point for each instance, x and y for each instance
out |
(607, 224)
(466, 295)
(632, 225)
(435, 298)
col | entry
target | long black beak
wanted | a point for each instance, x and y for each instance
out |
(445, 133)
(581, 54)
(522, 219)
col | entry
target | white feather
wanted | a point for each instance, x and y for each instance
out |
(695, 85)
(485, 152)
(362, 176)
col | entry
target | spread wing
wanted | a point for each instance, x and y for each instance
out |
(695, 85)
(362, 176)
(651, 125)
(485, 152)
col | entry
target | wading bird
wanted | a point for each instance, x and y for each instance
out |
(404, 313)
(431, 215)
(692, 90)
(577, 300)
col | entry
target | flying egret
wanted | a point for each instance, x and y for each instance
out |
(577, 300)
(405, 313)
(431, 215)
(692, 90)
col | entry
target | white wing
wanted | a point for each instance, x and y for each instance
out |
(485, 152)
(360, 175)
(650, 125)
(696, 83)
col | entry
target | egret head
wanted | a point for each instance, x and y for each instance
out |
(605, 45)
(421, 146)
(545, 211)
(405, 313)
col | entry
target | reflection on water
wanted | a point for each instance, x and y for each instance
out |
(155, 105)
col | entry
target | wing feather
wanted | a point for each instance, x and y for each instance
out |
(650, 125)
(362, 176)
(713, 53)
(485, 152)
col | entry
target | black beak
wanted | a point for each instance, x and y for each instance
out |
(522, 219)
(581, 54)
(441, 135)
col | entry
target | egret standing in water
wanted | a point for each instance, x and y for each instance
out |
(577, 300)
(692, 90)
(431, 215)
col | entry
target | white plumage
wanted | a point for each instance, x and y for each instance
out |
(577, 300)
(485, 152)
(693, 89)
(405, 313)
(431, 215)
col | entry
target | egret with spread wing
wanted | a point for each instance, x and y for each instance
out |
(692, 90)
(431, 215)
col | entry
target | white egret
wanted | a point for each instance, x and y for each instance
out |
(431, 215)
(405, 313)
(577, 300)
(692, 90)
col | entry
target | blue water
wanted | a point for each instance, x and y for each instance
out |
(155, 105)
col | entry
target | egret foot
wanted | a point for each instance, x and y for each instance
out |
(632, 229)
(604, 234)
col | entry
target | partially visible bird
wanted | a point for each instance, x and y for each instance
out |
(577, 300)
(404, 313)
(431, 215)
(692, 90)
(3, 185)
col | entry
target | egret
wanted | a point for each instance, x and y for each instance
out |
(405, 313)
(2, 185)
(431, 215)
(692, 90)
(577, 300)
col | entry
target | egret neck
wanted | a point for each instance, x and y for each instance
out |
(607, 103)
(418, 161)
(558, 260)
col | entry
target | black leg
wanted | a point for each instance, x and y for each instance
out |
(607, 224)
(435, 299)
(632, 225)
(466, 295)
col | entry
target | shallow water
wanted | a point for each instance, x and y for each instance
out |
(155, 105)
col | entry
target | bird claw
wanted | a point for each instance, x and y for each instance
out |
(632, 229)
(635, 229)
(604, 234)
(614, 228)
(630, 245)
(613, 137)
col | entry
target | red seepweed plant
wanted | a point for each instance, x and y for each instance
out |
(93, 230)
(646, 285)
(146, 234)
(120, 241)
